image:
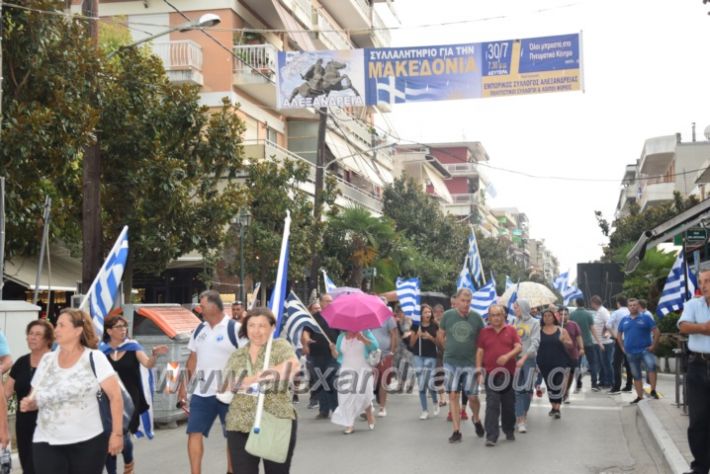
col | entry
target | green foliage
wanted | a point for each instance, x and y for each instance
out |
(48, 115)
(649, 277)
(496, 259)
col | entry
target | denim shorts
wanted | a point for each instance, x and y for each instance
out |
(460, 379)
(203, 411)
(635, 361)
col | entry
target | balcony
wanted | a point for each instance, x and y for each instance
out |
(654, 194)
(657, 155)
(382, 35)
(349, 194)
(463, 199)
(182, 61)
(350, 14)
(302, 9)
(464, 170)
(256, 64)
(330, 35)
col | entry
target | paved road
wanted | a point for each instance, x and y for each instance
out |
(597, 434)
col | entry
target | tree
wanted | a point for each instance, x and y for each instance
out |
(497, 261)
(47, 120)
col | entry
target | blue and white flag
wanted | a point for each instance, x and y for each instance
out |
(508, 282)
(408, 294)
(511, 311)
(484, 298)
(571, 293)
(296, 319)
(145, 428)
(674, 293)
(561, 282)
(398, 91)
(102, 292)
(474, 259)
(329, 285)
(464, 279)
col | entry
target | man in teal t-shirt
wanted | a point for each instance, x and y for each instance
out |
(458, 335)
(592, 345)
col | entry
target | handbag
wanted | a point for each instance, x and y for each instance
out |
(105, 404)
(274, 436)
(374, 358)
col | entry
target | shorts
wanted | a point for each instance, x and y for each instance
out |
(460, 379)
(384, 371)
(635, 361)
(203, 411)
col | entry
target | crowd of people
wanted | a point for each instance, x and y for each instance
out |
(453, 357)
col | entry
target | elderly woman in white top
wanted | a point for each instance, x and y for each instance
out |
(70, 438)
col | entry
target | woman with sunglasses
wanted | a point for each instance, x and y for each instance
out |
(131, 363)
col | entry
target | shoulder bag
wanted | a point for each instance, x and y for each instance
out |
(105, 404)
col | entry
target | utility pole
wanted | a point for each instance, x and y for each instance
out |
(318, 193)
(91, 204)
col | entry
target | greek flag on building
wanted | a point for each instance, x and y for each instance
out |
(484, 298)
(474, 259)
(103, 291)
(674, 294)
(409, 297)
(296, 319)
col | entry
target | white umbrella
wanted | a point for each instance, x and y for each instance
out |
(536, 293)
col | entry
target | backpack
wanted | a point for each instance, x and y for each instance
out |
(231, 332)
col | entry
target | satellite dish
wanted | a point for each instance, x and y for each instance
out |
(706, 132)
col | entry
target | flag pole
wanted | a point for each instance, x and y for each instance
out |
(277, 300)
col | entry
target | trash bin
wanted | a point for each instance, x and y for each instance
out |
(172, 325)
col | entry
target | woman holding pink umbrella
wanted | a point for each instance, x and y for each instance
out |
(356, 381)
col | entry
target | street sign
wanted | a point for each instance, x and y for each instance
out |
(696, 236)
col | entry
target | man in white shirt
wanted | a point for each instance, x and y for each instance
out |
(211, 345)
(619, 361)
(601, 318)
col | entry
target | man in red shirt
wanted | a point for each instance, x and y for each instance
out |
(498, 344)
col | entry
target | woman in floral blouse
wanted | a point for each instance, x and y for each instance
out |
(257, 327)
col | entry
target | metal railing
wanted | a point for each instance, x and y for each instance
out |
(465, 198)
(181, 54)
(261, 57)
(461, 169)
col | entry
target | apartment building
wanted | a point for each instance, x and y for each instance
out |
(513, 228)
(666, 165)
(238, 60)
(542, 261)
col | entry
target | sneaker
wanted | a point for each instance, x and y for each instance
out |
(551, 412)
(479, 429)
(295, 398)
(510, 436)
(638, 399)
(654, 394)
(349, 431)
(455, 437)
(382, 413)
(372, 427)
(522, 428)
(436, 410)
(448, 417)
(312, 404)
(557, 415)
(627, 389)
(424, 415)
(596, 389)
(322, 416)
(464, 415)
(614, 392)
(490, 443)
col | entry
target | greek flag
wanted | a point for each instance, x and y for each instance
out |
(474, 259)
(464, 280)
(511, 301)
(329, 285)
(278, 295)
(484, 298)
(674, 295)
(102, 293)
(571, 293)
(561, 282)
(397, 90)
(409, 298)
(296, 319)
(508, 282)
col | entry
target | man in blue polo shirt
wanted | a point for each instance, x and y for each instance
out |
(638, 335)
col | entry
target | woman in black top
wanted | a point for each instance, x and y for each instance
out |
(553, 359)
(422, 343)
(126, 357)
(40, 336)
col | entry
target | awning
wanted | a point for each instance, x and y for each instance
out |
(171, 319)
(439, 186)
(361, 164)
(66, 271)
(295, 30)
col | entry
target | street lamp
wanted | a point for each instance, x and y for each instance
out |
(243, 220)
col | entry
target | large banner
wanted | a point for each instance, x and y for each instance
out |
(397, 75)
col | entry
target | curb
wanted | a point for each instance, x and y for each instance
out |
(671, 454)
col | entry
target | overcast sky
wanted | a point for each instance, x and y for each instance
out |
(646, 74)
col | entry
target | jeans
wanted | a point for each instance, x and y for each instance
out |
(127, 452)
(619, 363)
(636, 360)
(607, 369)
(698, 379)
(523, 385)
(424, 367)
(500, 404)
(593, 356)
(324, 371)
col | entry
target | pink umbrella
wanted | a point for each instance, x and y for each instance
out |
(356, 312)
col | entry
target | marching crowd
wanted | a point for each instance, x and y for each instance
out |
(454, 357)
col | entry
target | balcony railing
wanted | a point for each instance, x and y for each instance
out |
(465, 198)
(259, 57)
(331, 33)
(182, 60)
(461, 169)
